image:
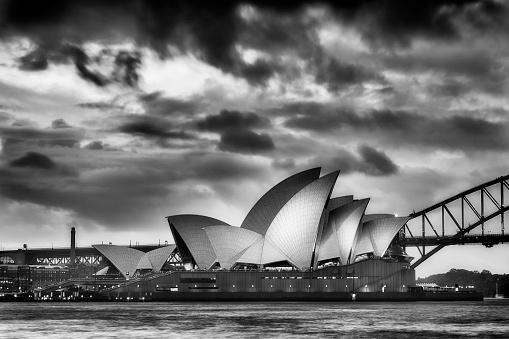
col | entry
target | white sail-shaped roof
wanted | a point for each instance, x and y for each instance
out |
(190, 228)
(265, 210)
(124, 259)
(346, 220)
(144, 263)
(272, 254)
(253, 254)
(339, 201)
(159, 256)
(102, 271)
(229, 241)
(382, 231)
(327, 246)
(342, 231)
(294, 229)
(263, 252)
(363, 244)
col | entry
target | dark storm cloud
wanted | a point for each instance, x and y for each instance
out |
(155, 130)
(210, 27)
(236, 131)
(449, 88)
(121, 190)
(148, 127)
(31, 163)
(20, 133)
(60, 123)
(486, 15)
(377, 162)
(124, 65)
(476, 69)
(259, 72)
(34, 133)
(81, 61)
(212, 30)
(94, 145)
(94, 77)
(402, 128)
(337, 75)
(276, 33)
(117, 196)
(34, 160)
(98, 145)
(34, 61)
(395, 22)
(103, 106)
(226, 120)
(157, 104)
(245, 141)
(369, 161)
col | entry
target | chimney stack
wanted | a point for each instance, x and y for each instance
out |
(73, 246)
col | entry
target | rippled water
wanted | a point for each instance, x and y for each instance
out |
(488, 319)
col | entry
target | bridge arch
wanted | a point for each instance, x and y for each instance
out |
(460, 219)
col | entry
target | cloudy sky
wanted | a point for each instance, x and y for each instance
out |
(116, 114)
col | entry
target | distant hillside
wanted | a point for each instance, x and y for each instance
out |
(483, 281)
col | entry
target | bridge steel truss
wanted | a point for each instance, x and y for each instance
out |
(88, 260)
(477, 206)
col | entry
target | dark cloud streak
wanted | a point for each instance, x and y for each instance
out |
(34, 160)
(226, 120)
(245, 141)
(455, 132)
(369, 161)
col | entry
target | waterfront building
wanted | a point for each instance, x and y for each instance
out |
(296, 243)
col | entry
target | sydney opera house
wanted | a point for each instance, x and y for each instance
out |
(296, 243)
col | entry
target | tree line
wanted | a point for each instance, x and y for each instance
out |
(484, 281)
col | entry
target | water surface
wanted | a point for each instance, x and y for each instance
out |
(488, 319)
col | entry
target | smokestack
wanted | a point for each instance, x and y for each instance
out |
(73, 246)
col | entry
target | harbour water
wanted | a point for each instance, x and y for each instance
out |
(488, 319)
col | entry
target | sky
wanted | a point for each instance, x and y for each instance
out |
(115, 114)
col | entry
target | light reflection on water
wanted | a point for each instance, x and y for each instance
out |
(488, 319)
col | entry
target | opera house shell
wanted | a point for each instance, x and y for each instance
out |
(295, 224)
(297, 243)
(128, 261)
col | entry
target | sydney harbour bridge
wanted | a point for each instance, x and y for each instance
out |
(475, 216)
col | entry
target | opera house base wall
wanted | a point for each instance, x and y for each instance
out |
(370, 280)
(301, 296)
